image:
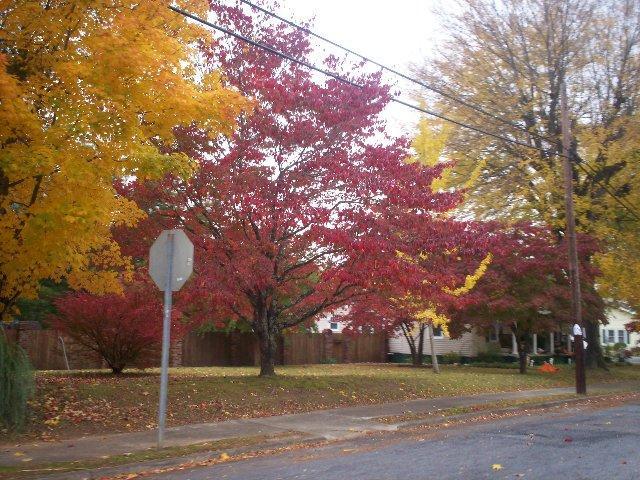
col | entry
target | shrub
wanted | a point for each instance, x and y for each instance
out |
(492, 354)
(619, 346)
(330, 361)
(16, 384)
(123, 329)
(451, 357)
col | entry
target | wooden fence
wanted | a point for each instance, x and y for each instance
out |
(46, 352)
(293, 349)
(44, 348)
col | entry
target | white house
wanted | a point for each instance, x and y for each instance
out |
(328, 321)
(472, 343)
(468, 345)
(614, 331)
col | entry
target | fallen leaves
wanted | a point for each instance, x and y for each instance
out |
(496, 466)
(72, 405)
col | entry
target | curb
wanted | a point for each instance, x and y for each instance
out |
(132, 468)
(503, 410)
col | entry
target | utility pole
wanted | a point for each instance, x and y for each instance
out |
(574, 272)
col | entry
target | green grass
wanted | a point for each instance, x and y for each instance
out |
(88, 402)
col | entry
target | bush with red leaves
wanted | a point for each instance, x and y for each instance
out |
(123, 329)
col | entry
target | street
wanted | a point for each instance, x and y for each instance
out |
(588, 444)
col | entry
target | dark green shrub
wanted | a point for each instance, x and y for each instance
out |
(451, 358)
(492, 354)
(16, 384)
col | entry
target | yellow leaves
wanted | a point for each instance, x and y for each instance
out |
(94, 96)
(52, 422)
(432, 317)
(471, 280)
(430, 142)
(224, 456)
(496, 467)
(429, 145)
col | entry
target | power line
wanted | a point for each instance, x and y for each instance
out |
(554, 142)
(341, 78)
(391, 98)
(402, 75)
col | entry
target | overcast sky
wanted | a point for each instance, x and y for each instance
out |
(395, 33)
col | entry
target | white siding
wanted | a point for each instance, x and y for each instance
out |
(324, 321)
(618, 318)
(468, 345)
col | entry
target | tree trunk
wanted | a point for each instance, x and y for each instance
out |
(268, 349)
(522, 355)
(593, 353)
(405, 327)
(116, 369)
(419, 357)
(265, 325)
(434, 357)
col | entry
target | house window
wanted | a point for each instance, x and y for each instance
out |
(611, 338)
(493, 334)
(437, 332)
(604, 336)
(621, 336)
(333, 325)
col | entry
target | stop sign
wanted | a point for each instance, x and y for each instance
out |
(182, 265)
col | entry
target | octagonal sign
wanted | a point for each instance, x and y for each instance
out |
(182, 265)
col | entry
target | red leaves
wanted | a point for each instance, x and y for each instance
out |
(123, 329)
(526, 281)
(306, 205)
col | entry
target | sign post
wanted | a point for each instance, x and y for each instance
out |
(170, 265)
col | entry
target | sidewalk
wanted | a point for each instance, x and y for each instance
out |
(339, 423)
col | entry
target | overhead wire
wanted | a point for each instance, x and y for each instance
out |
(393, 99)
(554, 142)
(379, 64)
(340, 78)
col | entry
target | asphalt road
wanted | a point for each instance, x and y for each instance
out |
(574, 445)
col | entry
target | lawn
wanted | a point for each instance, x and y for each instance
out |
(70, 404)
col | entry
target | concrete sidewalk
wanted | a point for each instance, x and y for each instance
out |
(339, 423)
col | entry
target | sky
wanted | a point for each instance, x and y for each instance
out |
(394, 33)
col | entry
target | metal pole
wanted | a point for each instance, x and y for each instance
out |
(64, 353)
(574, 272)
(434, 357)
(166, 329)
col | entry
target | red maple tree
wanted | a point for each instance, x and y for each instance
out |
(306, 206)
(526, 288)
(441, 269)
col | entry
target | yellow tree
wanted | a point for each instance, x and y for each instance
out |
(510, 59)
(620, 259)
(90, 91)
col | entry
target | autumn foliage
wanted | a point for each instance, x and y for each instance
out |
(526, 288)
(308, 204)
(90, 91)
(124, 329)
